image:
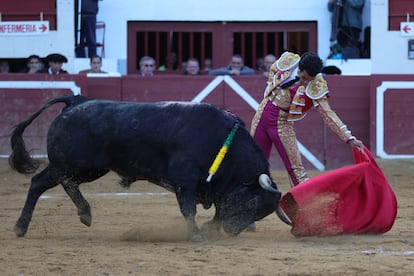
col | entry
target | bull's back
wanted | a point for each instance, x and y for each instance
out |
(147, 121)
(106, 132)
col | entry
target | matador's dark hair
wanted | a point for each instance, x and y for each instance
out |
(311, 63)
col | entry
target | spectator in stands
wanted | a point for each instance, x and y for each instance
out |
(147, 66)
(170, 63)
(4, 67)
(89, 10)
(268, 60)
(208, 65)
(55, 62)
(235, 68)
(95, 64)
(260, 64)
(34, 65)
(192, 67)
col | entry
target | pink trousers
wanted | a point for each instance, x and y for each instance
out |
(274, 128)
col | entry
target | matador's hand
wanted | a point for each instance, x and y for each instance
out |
(357, 144)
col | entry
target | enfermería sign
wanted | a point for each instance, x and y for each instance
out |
(11, 28)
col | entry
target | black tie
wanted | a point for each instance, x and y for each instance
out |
(289, 83)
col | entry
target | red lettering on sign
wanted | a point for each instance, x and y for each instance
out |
(24, 28)
(43, 28)
(19, 28)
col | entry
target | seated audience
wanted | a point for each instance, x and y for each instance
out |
(146, 66)
(4, 67)
(267, 62)
(192, 67)
(55, 62)
(235, 68)
(34, 65)
(260, 65)
(170, 63)
(95, 64)
(208, 65)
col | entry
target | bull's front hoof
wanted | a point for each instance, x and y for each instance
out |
(20, 230)
(86, 219)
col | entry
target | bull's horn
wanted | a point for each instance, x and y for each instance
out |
(282, 215)
(266, 183)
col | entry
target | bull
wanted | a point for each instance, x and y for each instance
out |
(171, 144)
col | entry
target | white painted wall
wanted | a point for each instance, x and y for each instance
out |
(117, 13)
(215, 10)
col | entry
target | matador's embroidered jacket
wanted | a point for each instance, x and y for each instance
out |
(297, 100)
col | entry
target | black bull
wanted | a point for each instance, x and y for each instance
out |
(171, 144)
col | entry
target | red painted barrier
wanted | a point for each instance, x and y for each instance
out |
(394, 126)
(351, 97)
(23, 94)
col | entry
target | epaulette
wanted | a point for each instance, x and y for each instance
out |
(287, 61)
(317, 88)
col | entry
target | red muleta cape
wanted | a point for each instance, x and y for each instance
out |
(356, 199)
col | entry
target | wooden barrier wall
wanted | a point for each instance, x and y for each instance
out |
(351, 98)
(394, 94)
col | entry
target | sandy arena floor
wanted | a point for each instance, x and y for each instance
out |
(141, 232)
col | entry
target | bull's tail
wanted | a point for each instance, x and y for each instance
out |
(20, 159)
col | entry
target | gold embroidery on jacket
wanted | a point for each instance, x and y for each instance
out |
(287, 61)
(280, 98)
(332, 120)
(317, 88)
(299, 105)
(281, 70)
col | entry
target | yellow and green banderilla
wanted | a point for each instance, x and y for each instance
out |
(220, 155)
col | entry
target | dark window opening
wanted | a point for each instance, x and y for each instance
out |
(171, 49)
(172, 43)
